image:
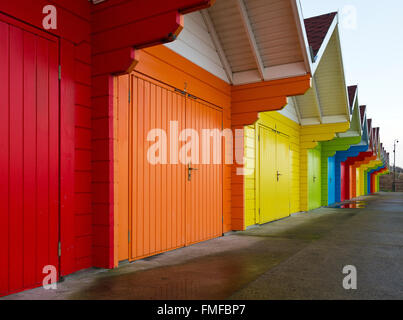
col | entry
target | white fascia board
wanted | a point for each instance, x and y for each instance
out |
(349, 134)
(335, 119)
(303, 38)
(325, 43)
(338, 43)
(271, 73)
(309, 121)
(246, 77)
(217, 44)
(357, 109)
(285, 71)
(355, 101)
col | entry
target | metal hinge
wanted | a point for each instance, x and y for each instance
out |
(129, 236)
(129, 96)
(181, 92)
(60, 249)
(60, 72)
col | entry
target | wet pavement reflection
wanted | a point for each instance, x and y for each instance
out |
(207, 277)
(355, 204)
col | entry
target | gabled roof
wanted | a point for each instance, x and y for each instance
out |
(327, 101)
(352, 93)
(363, 110)
(377, 140)
(375, 135)
(370, 134)
(317, 29)
(356, 128)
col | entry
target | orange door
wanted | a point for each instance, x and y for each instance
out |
(204, 180)
(160, 207)
(157, 213)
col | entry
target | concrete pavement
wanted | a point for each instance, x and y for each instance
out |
(301, 257)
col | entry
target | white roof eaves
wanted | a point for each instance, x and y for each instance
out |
(299, 19)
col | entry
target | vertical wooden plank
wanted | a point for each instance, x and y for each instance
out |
(152, 213)
(42, 157)
(4, 157)
(216, 212)
(174, 175)
(29, 159)
(123, 166)
(168, 243)
(164, 184)
(16, 253)
(197, 175)
(184, 178)
(221, 182)
(67, 157)
(133, 166)
(158, 191)
(194, 209)
(140, 234)
(189, 191)
(53, 133)
(147, 184)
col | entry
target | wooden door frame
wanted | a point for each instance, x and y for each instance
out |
(258, 126)
(130, 133)
(55, 39)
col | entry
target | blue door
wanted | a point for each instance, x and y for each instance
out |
(331, 180)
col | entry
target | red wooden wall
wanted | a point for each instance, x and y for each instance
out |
(95, 42)
(29, 155)
(73, 33)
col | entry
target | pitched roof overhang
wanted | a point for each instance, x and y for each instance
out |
(356, 123)
(364, 125)
(253, 41)
(327, 101)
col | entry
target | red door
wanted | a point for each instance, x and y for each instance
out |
(29, 156)
(343, 181)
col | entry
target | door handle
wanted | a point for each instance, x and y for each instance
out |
(190, 169)
(278, 175)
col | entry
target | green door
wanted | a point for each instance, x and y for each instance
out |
(314, 178)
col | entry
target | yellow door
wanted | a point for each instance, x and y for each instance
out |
(274, 175)
(282, 176)
(268, 175)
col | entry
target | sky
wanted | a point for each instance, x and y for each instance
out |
(372, 45)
